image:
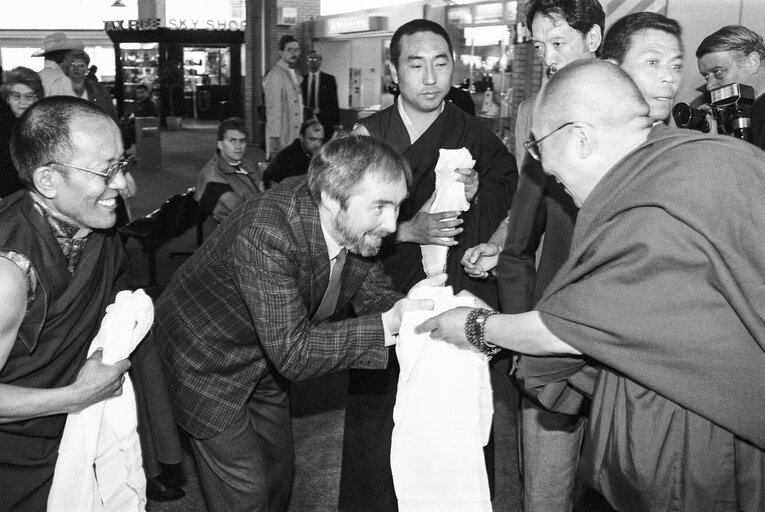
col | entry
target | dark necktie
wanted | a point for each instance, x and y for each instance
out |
(312, 92)
(329, 301)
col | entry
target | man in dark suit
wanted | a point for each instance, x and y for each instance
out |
(254, 308)
(320, 94)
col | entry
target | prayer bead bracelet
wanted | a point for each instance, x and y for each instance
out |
(475, 328)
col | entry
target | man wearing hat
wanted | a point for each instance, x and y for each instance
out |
(58, 51)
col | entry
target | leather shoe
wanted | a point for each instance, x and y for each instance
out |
(157, 491)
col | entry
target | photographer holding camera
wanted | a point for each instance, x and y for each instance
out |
(734, 55)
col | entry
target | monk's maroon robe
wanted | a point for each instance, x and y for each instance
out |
(665, 288)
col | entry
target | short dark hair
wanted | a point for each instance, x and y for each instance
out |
(286, 39)
(232, 123)
(43, 132)
(413, 27)
(735, 38)
(83, 55)
(24, 76)
(308, 124)
(581, 15)
(618, 39)
(342, 163)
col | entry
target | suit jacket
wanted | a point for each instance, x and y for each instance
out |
(241, 306)
(329, 111)
(99, 95)
(290, 161)
(284, 104)
(541, 208)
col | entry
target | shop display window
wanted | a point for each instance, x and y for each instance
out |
(485, 36)
(140, 65)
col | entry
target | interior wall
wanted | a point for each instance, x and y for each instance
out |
(336, 60)
(367, 55)
(696, 26)
(698, 19)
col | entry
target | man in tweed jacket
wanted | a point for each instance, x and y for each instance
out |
(236, 322)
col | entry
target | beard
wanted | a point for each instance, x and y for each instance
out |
(366, 243)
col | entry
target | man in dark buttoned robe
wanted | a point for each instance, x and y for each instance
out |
(417, 126)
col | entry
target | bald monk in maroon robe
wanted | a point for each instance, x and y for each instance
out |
(662, 296)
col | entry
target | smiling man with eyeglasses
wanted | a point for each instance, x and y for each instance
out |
(60, 266)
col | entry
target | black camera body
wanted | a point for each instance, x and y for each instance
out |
(729, 105)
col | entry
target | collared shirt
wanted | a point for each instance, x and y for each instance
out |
(235, 166)
(333, 249)
(65, 232)
(413, 136)
(313, 85)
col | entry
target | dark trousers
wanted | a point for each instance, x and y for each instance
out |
(550, 445)
(366, 481)
(157, 430)
(250, 465)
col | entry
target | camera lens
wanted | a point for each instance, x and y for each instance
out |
(688, 117)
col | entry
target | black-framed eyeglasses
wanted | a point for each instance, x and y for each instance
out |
(532, 145)
(120, 166)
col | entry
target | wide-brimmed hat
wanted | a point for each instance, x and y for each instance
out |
(58, 41)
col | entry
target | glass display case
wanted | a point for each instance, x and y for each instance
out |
(140, 65)
(171, 60)
(485, 36)
(207, 74)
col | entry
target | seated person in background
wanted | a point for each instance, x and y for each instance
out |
(228, 179)
(294, 159)
(145, 107)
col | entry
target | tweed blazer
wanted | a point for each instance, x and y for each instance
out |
(241, 305)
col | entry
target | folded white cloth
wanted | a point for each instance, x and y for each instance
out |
(442, 417)
(450, 195)
(99, 466)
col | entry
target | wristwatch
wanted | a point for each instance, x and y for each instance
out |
(475, 328)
